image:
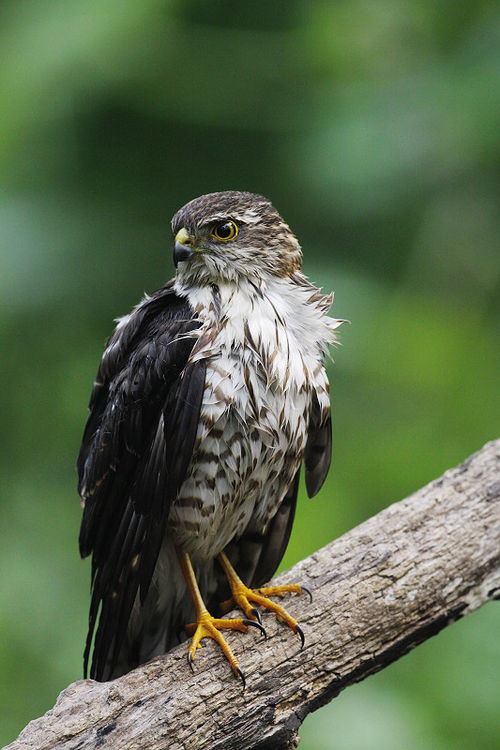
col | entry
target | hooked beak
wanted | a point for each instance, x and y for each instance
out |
(183, 248)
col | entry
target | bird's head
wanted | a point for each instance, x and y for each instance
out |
(232, 235)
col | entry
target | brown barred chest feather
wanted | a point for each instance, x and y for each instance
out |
(260, 382)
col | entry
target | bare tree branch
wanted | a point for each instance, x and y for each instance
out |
(379, 590)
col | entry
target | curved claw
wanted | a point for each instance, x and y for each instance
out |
(308, 592)
(190, 661)
(299, 630)
(240, 674)
(255, 613)
(254, 624)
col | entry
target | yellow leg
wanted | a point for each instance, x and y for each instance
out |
(244, 597)
(207, 626)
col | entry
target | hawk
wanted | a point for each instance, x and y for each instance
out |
(209, 396)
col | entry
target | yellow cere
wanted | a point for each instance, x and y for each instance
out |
(183, 237)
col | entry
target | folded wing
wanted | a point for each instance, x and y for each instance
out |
(136, 450)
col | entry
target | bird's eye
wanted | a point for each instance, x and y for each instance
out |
(226, 231)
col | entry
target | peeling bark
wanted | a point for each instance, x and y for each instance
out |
(379, 590)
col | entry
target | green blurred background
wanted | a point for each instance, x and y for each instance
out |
(373, 127)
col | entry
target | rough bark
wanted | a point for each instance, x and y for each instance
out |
(379, 590)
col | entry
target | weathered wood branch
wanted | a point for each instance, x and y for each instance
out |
(379, 590)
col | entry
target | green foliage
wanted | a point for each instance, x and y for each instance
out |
(372, 127)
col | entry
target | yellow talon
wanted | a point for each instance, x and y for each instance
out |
(209, 627)
(244, 597)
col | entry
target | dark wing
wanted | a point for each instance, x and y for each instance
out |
(136, 448)
(318, 453)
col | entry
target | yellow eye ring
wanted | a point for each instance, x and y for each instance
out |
(225, 231)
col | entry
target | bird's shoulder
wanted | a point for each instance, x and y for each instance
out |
(156, 320)
(143, 359)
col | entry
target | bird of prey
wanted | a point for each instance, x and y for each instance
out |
(209, 396)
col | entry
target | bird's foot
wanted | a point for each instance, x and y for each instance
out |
(210, 627)
(245, 598)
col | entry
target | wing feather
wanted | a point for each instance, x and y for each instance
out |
(135, 453)
(318, 452)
